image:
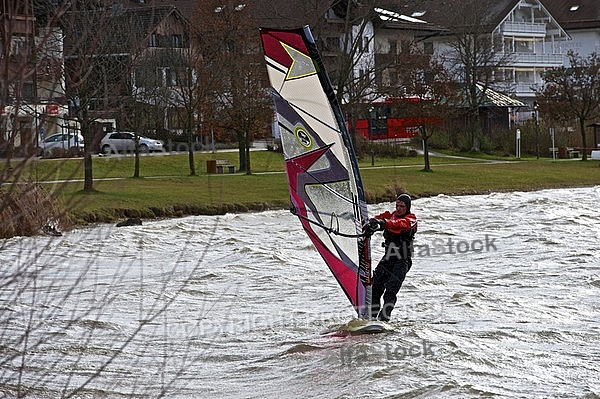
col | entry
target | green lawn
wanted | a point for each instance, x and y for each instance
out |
(178, 165)
(168, 190)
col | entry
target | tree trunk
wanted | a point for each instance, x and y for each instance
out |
(242, 151)
(427, 167)
(136, 165)
(191, 156)
(10, 146)
(583, 139)
(191, 146)
(247, 143)
(88, 180)
(475, 127)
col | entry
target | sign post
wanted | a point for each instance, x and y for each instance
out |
(518, 150)
(553, 146)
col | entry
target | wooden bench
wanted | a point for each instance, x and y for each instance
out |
(224, 166)
(573, 152)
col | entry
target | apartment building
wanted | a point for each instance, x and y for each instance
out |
(581, 20)
(30, 79)
(527, 38)
(120, 62)
(58, 61)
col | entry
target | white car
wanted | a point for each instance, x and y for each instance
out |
(125, 142)
(62, 142)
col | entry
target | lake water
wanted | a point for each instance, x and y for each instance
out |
(503, 301)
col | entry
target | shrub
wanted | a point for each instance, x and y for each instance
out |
(26, 208)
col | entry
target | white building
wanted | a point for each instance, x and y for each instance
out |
(528, 39)
(581, 20)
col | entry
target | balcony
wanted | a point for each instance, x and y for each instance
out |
(537, 60)
(530, 60)
(526, 89)
(524, 29)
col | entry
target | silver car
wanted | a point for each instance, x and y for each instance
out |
(125, 142)
(61, 142)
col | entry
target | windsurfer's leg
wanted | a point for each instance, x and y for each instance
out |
(392, 286)
(380, 276)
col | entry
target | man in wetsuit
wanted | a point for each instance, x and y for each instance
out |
(399, 230)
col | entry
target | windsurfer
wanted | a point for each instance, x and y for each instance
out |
(399, 229)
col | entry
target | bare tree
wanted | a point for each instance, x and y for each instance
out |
(17, 79)
(158, 46)
(230, 49)
(193, 83)
(475, 55)
(27, 81)
(345, 36)
(426, 93)
(96, 63)
(573, 92)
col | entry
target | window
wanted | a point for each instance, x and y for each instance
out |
(365, 44)
(428, 48)
(176, 120)
(363, 76)
(147, 76)
(176, 41)
(28, 91)
(524, 46)
(393, 48)
(171, 78)
(18, 45)
(333, 43)
(154, 40)
(405, 46)
(53, 139)
(184, 77)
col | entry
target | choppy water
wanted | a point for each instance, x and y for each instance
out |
(241, 306)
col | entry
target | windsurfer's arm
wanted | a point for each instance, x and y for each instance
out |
(404, 223)
(378, 222)
(384, 215)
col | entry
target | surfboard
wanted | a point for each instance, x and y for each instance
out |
(361, 326)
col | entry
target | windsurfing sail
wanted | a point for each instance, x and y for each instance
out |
(326, 190)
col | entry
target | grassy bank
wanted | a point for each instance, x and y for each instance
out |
(168, 190)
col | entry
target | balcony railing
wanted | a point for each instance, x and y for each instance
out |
(538, 59)
(526, 89)
(530, 60)
(524, 29)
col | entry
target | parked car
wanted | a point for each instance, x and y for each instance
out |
(61, 142)
(125, 142)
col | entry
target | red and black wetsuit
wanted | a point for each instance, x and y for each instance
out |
(399, 232)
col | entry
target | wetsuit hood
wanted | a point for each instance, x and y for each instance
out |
(406, 199)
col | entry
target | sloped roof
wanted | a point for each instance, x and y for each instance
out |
(497, 99)
(273, 13)
(575, 14)
(445, 13)
(393, 18)
(124, 26)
